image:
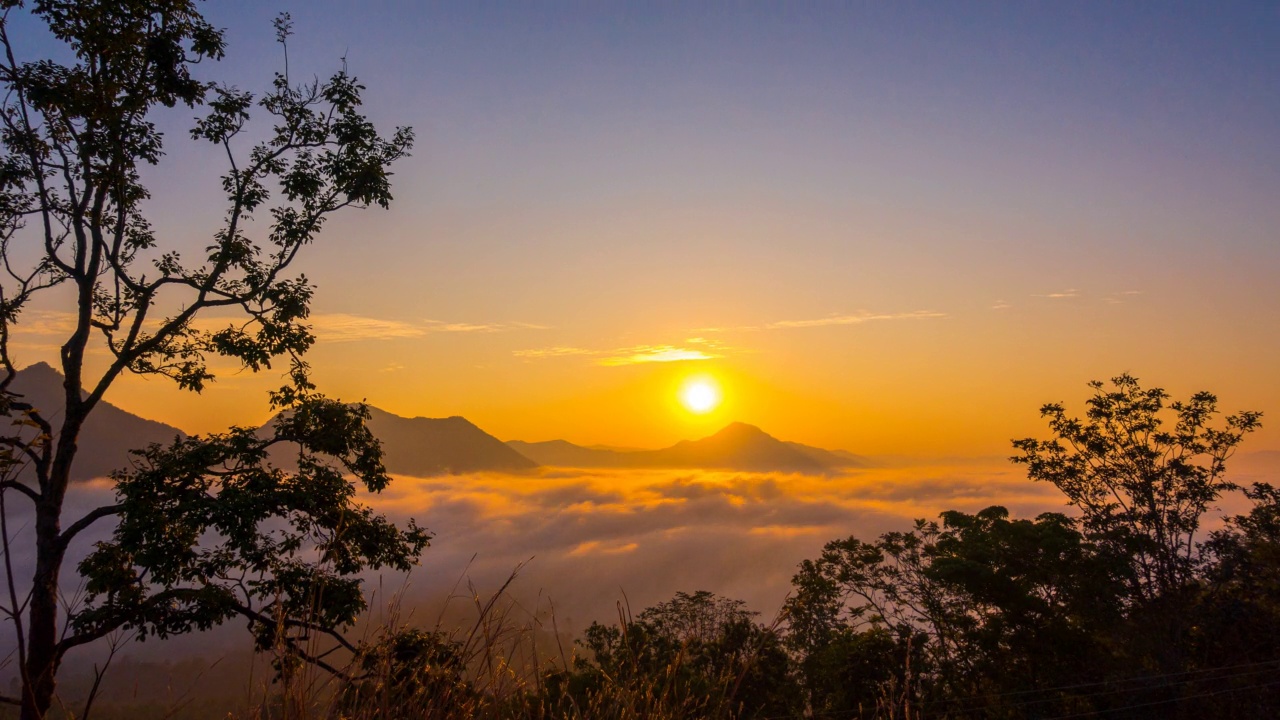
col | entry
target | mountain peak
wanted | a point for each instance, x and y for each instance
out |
(423, 446)
(107, 434)
(40, 369)
(741, 430)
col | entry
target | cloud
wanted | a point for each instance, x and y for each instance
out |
(595, 546)
(1001, 305)
(448, 327)
(44, 322)
(857, 318)
(624, 356)
(597, 537)
(1068, 293)
(655, 353)
(550, 352)
(596, 534)
(1118, 298)
(344, 327)
(601, 539)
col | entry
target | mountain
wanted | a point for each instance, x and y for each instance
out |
(423, 447)
(412, 446)
(562, 453)
(833, 458)
(108, 434)
(738, 446)
(433, 446)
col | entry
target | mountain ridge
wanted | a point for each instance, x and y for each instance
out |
(422, 446)
(737, 446)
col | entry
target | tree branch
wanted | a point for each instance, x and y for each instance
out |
(22, 488)
(93, 516)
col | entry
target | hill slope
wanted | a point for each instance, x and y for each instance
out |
(432, 446)
(107, 435)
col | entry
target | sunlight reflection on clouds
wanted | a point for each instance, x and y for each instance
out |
(594, 535)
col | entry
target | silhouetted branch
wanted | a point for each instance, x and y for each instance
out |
(90, 518)
(22, 488)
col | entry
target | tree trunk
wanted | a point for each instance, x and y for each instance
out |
(42, 631)
(43, 654)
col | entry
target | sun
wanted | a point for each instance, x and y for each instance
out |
(700, 395)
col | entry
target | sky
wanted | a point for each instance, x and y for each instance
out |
(888, 228)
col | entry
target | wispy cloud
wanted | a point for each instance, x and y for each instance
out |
(655, 354)
(553, 352)
(345, 327)
(1068, 293)
(623, 356)
(854, 319)
(1120, 297)
(456, 327)
(342, 327)
(1001, 305)
(857, 318)
(44, 322)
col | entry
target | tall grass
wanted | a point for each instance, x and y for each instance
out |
(506, 663)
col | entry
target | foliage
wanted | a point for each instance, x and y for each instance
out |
(208, 528)
(696, 656)
(978, 604)
(410, 671)
(1138, 483)
(1116, 609)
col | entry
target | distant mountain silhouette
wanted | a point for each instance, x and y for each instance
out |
(433, 446)
(423, 447)
(412, 446)
(738, 446)
(562, 453)
(108, 434)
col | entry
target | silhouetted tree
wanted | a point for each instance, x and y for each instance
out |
(1237, 613)
(975, 606)
(207, 528)
(1143, 472)
(1139, 482)
(1118, 609)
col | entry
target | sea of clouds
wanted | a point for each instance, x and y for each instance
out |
(584, 544)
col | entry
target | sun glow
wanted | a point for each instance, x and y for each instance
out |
(700, 395)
